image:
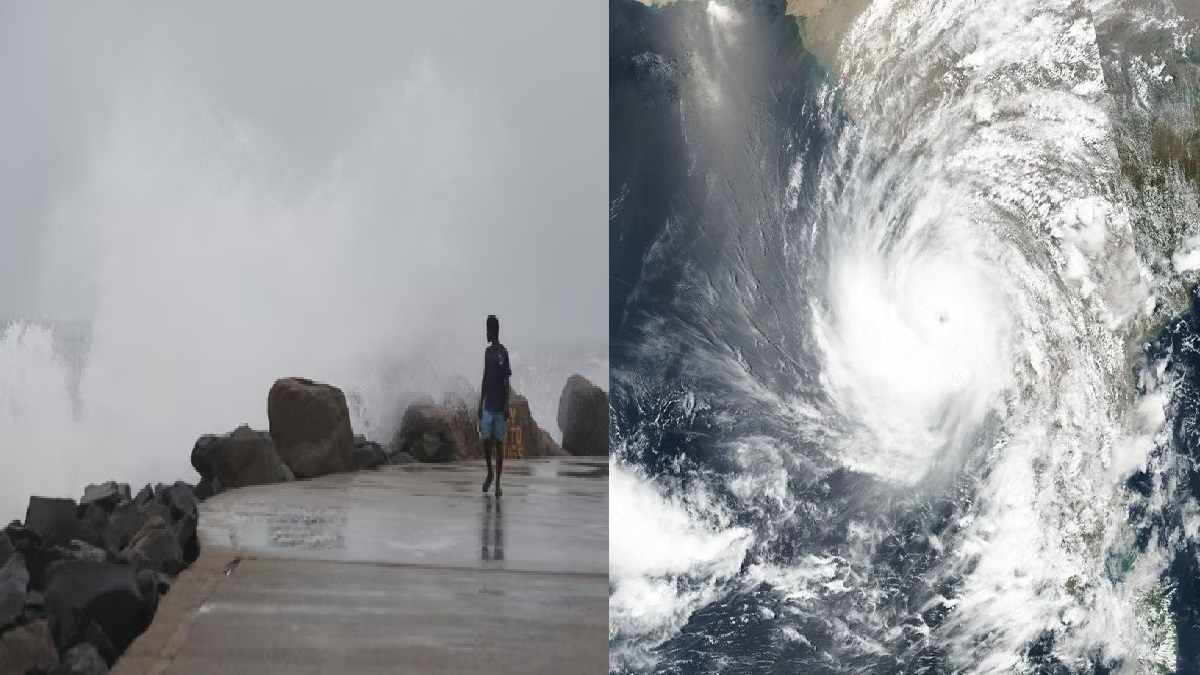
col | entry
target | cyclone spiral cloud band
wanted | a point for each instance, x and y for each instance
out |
(902, 343)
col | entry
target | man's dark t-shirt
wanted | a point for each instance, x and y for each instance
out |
(496, 371)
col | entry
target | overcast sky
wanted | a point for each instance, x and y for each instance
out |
(516, 176)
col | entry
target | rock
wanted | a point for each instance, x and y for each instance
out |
(14, 587)
(403, 458)
(583, 417)
(310, 424)
(56, 521)
(544, 445)
(108, 594)
(21, 537)
(82, 659)
(127, 519)
(94, 520)
(433, 432)
(156, 547)
(462, 429)
(28, 648)
(240, 458)
(146, 494)
(204, 490)
(37, 557)
(432, 448)
(189, 543)
(39, 560)
(155, 509)
(124, 522)
(29, 544)
(180, 499)
(525, 437)
(368, 454)
(105, 495)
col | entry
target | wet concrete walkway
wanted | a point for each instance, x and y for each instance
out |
(410, 569)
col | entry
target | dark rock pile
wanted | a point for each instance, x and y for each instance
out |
(310, 436)
(240, 458)
(79, 581)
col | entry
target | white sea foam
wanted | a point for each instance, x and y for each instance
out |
(210, 269)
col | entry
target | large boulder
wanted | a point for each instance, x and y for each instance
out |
(189, 542)
(156, 546)
(438, 432)
(14, 587)
(525, 437)
(128, 518)
(583, 417)
(240, 458)
(310, 424)
(105, 495)
(57, 521)
(180, 499)
(107, 594)
(28, 648)
(37, 557)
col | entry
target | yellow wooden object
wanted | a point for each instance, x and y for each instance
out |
(514, 444)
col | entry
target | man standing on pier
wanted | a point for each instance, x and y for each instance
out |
(493, 401)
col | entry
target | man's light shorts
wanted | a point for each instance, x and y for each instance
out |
(494, 426)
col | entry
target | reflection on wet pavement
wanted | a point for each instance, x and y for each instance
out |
(492, 534)
(322, 528)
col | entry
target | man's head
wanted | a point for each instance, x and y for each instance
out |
(493, 328)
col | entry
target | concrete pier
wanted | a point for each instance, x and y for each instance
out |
(409, 569)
